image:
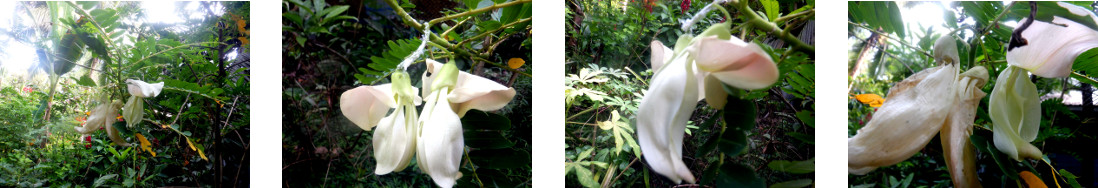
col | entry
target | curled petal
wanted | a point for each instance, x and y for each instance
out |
(366, 105)
(736, 63)
(1052, 47)
(914, 111)
(144, 90)
(960, 155)
(114, 135)
(395, 140)
(1015, 110)
(945, 50)
(440, 141)
(661, 119)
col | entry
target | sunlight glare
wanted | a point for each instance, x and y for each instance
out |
(7, 9)
(161, 11)
(20, 57)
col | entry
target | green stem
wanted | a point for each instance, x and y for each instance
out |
(754, 19)
(482, 35)
(434, 38)
(169, 49)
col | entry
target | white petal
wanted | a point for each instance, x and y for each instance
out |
(661, 119)
(97, 117)
(960, 155)
(134, 111)
(471, 91)
(736, 63)
(144, 90)
(440, 142)
(945, 50)
(1052, 48)
(395, 140)
(1015, 110)
(366, 105)
(660, 55)
(912, 114)
(111, 115)
(475, 92)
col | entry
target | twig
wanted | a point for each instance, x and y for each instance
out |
(482, 35)
(917, 49)
(574, 116)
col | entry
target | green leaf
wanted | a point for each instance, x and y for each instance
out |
(586, 177)
(486, 140)
(732, 142)
(738, 175)
(86, 80)
(771, 8)
(807, 117)
(795, 167)
(500, 158)
(739, 114)
(480, 120)
(793, 184)
(103, 180)
(1070, 178)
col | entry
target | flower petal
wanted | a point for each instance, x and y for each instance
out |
(471, 91)
(914, 111)
(144, 90)
(736, 63)
(112, 114)
(134, 110)
(661, 119)
(366, 105)
(660, 55)
(945, 50)
(440, 142)
(960, 155)
(1015, 110)
(1052, 47)
(395, 140)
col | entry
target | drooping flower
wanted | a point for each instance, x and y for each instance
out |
(135, 106)
(1049, 49)
(960, 154)
(1015, 110)
(104, 116)
(694, 70)
(394, 140)
(913, 112)
(451, 93)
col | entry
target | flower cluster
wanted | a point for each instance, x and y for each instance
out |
(434, 135)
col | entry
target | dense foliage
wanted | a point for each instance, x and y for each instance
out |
(884, 50)
(763, 137)
(332, 48)
(195, 133)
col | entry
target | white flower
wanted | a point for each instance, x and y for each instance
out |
(960, 155)
(914, 111)
(395, 137)
(450, 93)
(694, 70)
(1015, 110)
(104, 115)
(134, 111)
(945, 50)
(1051, 48)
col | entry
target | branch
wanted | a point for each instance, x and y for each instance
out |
(437, 40)
(770, 27)
(917, 49)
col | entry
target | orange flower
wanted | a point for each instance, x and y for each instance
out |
(872, 100)
(1031, 180)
